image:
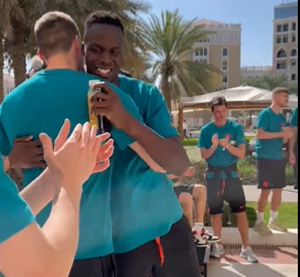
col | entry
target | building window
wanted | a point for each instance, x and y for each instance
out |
(293, 53)
(205, 51)
(225, 65)
(281, 66)
(285, 28)
(278, 40)
(293, 63)
(225, 79)
(293, 38)
(285, 39)
(294, 77)
(281, 54)
(294, 26)
(279, 28)
(225, 52)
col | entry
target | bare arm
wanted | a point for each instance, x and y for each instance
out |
(40, 192)
(207, 153)
(48, 251)
(292, 140)
(237, 151)
(168, 153)
(136, 147)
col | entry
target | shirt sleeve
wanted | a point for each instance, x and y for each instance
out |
(203, 141)
(120, 137)
(262, 121)
(240, 136)
(15, 214)
(6, 122)
(158, 117)
(294, 118)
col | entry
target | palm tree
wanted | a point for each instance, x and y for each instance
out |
(22, 14)
(270, 81)
(171, 41)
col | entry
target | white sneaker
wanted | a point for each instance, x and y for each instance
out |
(248, 254)
(217, 251)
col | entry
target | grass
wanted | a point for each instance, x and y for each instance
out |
(287, 216)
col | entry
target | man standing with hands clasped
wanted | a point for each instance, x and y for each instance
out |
(222, 144)
(272, 134)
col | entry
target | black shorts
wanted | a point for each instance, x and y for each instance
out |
(271, 174)
(184, 189)
(95, 267)
(230, 190)
(180, 258)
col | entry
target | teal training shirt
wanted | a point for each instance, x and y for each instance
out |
(15, 214)
(231, 130)
(269, 121)
(144, 205)
(294, 123)
(41, 104)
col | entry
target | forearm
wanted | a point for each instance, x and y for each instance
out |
(207, 153)
(62, 230)
(238, 152)
(147, 159)
(39, 192)
(267, 135)
(292, 141)
(168, 153)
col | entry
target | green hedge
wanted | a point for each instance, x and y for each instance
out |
(247, 170)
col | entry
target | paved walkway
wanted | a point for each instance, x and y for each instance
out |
(272, 263)
(289, 194)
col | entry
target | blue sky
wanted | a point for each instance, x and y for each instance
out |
(255, 16)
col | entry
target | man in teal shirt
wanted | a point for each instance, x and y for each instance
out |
(50, 250)
(41, 104)
(141, 225)
(222, 144)
(272, 133)
(293, 145)
(147, 217)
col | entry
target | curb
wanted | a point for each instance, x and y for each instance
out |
(231, 236)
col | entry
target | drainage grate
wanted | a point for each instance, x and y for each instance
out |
(267, 251)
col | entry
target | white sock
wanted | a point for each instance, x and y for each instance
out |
(198, 226)
(273, 216)
(259, 217)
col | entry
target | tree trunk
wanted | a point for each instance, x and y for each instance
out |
(166, 92)
(1, 69)
(18, 53)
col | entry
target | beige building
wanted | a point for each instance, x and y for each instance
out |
(222, 48)
(255, 71)
(285, 40)
(9, 83)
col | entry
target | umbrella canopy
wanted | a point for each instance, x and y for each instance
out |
(239, 98)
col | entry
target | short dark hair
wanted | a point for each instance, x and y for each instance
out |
(55, 32)
(280, 90)
(218, 101)
(103, 17)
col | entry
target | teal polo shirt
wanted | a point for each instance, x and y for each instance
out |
(143, 203)
(269, 121)
(231, 130)
(41, 104)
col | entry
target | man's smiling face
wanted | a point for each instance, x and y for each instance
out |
(103, 45)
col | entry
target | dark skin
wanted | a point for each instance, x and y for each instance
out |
(104, 46)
